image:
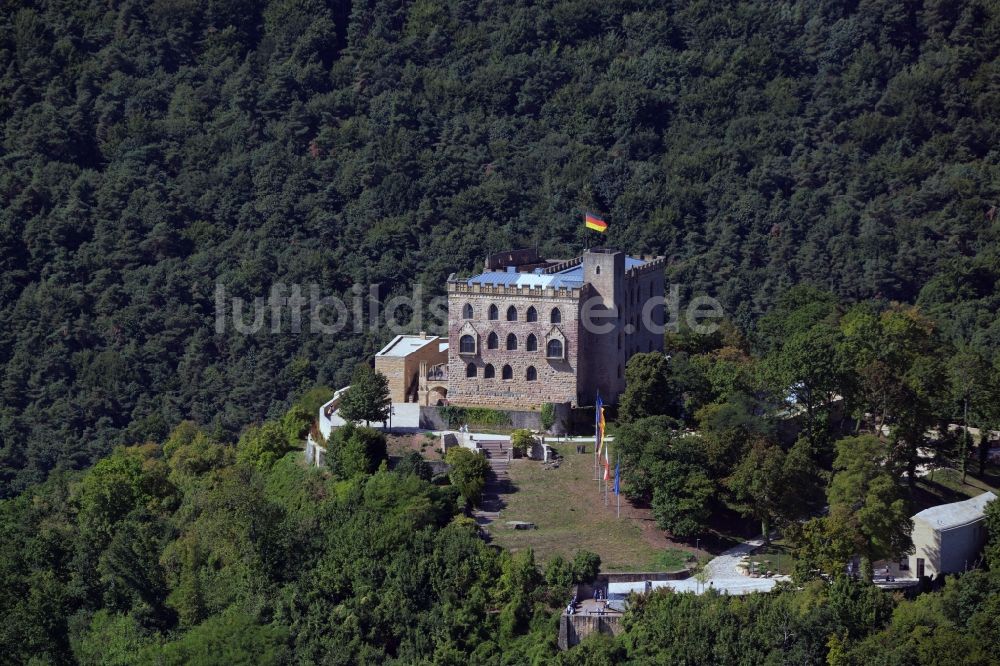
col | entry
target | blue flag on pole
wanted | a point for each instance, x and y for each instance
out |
(618, 469)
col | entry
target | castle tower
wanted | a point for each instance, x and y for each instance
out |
(602, 359)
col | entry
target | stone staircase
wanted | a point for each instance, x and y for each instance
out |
(497, 481)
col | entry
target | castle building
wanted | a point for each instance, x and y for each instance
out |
(527, 331)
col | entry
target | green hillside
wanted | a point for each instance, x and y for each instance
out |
(152, 149)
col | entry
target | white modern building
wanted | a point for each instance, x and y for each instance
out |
(949, 538)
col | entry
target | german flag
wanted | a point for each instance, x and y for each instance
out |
(595, 223)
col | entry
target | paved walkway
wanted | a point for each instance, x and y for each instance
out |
(723, 574)
(724, 566)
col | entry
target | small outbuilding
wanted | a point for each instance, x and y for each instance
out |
(948, 538)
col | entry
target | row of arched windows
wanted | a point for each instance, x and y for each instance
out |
(553, 349)
(506, 372)
(530, 343)
(493, 313)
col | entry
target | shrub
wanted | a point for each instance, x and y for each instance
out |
(413, 463)
(521, 441)
(296, 423)
(356, 450)
(548, 416)
(559, 573)
(586, 566)
(261, 446)
(481, 416)
(468, 473)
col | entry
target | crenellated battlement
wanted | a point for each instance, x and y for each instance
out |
(500, 290)
(562, 265)
(651, 264)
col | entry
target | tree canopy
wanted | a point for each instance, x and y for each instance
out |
(154, 150)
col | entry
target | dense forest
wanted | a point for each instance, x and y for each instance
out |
(150, 150)
(825, 428)
(194, 551)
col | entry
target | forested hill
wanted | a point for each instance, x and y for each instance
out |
(151, 149)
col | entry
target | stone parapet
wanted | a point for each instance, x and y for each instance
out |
(507, 291)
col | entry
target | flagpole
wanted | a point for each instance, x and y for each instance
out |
(606, 475)
(618, 482)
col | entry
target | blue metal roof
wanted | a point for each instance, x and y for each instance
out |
(533, 280)
(571, 278)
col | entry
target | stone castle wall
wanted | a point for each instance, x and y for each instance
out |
(592, 361)
(557, 380)
(574, 628)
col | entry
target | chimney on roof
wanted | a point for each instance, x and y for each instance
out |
(423, 335)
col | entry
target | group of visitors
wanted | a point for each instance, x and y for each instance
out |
(601, 607)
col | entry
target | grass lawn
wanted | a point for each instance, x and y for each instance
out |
(775, 557)
(570, 515)
(943, 486)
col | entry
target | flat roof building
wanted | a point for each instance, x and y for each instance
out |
(948, 538)
(416, 367)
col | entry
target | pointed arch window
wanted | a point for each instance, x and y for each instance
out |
(512, 313)
(556, 316)
(531, 374)
(467, 311)
(531, 344)
(508, 372)
(493, 313)
(531, 314)
(511, 342)
(492, 342)
(489, 372)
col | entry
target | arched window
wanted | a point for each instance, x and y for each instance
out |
(489, 372)
(531, 344)
(467, 311)
(554, 349)
(470, 370)
(597, 270)
(511, 341)
(467, 345)
(494, 313)
(492, 342)
(507, 372)
(532, 314)
(532, 374)
(512, 313)
(556, 316)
